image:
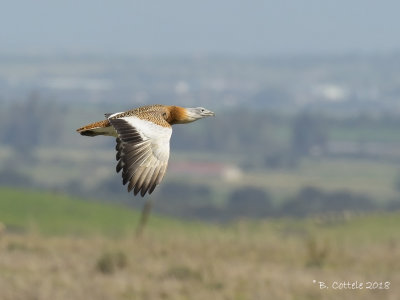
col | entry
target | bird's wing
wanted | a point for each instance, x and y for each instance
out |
(142, 152)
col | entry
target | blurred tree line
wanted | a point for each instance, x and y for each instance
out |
(26, 125)
(31, 123)
(253, 202)
(261, 138)
(197, 201)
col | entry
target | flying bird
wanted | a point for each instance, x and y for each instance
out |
(143, 136)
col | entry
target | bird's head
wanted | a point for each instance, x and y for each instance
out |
(196, 113)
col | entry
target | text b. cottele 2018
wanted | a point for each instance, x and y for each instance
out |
(354, 285)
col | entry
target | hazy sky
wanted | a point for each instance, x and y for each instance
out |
(174, 27)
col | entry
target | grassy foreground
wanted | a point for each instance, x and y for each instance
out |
(71, 254)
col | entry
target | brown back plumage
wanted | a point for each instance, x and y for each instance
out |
(163, 115)
(157, 114)
(137, 112)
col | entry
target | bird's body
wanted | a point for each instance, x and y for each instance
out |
(143, 136)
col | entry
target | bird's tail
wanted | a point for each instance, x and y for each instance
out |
(96, 128)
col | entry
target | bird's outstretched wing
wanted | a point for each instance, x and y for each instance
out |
(142, 152)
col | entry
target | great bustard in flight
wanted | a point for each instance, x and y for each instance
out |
(143, 136)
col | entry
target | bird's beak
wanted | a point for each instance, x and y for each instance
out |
(208, 113)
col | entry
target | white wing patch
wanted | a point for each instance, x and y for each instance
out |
(142, 152)
(112, 115)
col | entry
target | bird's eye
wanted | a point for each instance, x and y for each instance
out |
(202, 110)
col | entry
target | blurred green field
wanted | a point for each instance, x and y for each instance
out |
(373, 178)
(54, 214)
(30, 211)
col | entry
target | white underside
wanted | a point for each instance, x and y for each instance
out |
(108, 131)
(158, 136)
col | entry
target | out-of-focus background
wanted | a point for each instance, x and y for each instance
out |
(296, 179)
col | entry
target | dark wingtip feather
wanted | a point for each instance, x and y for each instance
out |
(125, 180)
(152, 188)
(130, 186)
(119, 166)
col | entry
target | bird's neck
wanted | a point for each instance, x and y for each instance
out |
(178, 115)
